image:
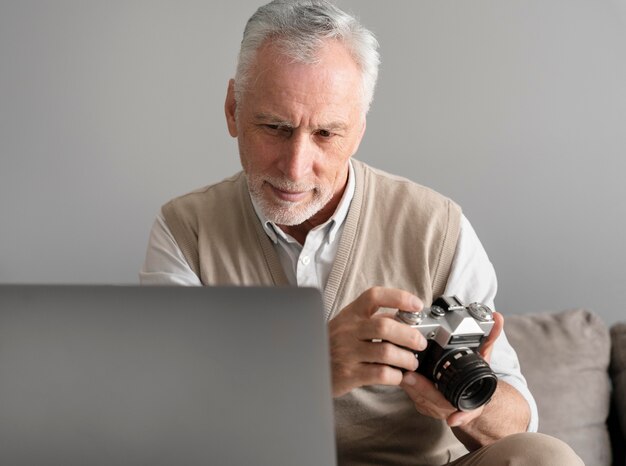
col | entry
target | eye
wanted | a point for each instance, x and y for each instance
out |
(324, 133)
(278, 129)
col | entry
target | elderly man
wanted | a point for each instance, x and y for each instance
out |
(303, 212)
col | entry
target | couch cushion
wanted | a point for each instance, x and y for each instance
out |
(618, 375)
(565, 357)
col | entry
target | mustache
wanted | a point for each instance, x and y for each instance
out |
(290, 186)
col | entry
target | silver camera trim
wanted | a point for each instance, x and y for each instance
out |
(457, 321)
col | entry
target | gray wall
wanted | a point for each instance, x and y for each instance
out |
(516, 109)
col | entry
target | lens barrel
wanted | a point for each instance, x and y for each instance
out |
(465, 379)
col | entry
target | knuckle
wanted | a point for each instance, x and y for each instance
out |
(341, 372)
(382, 326)
(411, 362)
(336, 354)
(385, 375)
(386, 352)
(373, 293)
(344, 373)
(379, 371)
(405, 300)
(418, 341)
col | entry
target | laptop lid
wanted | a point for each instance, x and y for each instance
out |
(128, 375)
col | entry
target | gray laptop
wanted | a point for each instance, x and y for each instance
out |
(125, 375)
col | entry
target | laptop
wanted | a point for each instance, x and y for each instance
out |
(129, 375)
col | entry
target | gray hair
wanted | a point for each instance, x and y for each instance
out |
(300, 27)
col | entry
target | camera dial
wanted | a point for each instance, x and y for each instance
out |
(437, 312)
(480, 312)
(411, 318)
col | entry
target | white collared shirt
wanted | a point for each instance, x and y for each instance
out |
(472, 276)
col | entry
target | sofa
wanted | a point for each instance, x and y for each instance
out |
(576, 368)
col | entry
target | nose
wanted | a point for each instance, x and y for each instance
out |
(296, 160)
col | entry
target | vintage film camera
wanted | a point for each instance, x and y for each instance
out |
(454, 333)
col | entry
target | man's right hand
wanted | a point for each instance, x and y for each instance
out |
(368, 348)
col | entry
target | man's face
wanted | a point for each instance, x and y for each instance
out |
(297, 125)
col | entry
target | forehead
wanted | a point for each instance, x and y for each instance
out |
(331, 84)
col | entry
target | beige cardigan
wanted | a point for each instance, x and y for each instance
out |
(397, 234)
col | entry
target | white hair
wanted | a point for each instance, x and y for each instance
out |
(300, 28)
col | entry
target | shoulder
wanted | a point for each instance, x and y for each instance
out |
(205, 198)
(403, 192)
(225, 188)
(201, 205)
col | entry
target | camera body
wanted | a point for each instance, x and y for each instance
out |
(451, 360)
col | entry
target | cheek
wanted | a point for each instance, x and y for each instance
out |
(244, 155)
(333, 171)
(337, 166)
(255, 154)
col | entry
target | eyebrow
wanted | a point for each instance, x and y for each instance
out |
(276, 120)
(273, 119)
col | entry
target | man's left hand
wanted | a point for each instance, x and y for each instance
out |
(429, 401)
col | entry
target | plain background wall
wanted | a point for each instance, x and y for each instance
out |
(515, 109)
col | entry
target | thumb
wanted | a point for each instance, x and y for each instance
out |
(487, 347)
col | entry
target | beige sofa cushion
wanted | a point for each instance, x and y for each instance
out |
(618, 375)
(565, 358)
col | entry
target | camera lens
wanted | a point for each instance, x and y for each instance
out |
(465, 379)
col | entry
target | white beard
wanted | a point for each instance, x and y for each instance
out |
(283, 212)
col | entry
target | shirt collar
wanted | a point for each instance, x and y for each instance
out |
(333, 224)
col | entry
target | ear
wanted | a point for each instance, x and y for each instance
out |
(230, 108)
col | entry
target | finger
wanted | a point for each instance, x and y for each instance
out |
(386, 329)
(355, 371)
(418, 385)
(487, 347)
(374, 298)
(389, 354)
(427, 399)
(377, 374)
(461, 418)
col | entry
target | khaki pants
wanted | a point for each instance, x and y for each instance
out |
(527, 449)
